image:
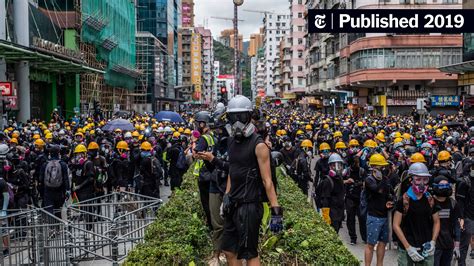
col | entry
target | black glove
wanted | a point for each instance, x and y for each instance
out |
(226, 205)
(276, 222)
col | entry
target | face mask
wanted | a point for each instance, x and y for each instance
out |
(287, 144)
(377, 174)
(123, 155)
(443, 190)
(309, 153)
(145, 154)
(93, 154)
(7, 168)
(449, 149)
(81, 161)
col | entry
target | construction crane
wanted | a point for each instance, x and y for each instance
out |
(231, 19)
(259, 11)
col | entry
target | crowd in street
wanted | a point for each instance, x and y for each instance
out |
(381, 171)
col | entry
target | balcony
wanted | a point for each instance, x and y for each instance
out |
(287, 57)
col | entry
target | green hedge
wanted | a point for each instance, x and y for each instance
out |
(179, 236)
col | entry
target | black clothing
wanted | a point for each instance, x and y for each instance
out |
(333, 197)
(417, 224)
(378, 193)
(448, 215)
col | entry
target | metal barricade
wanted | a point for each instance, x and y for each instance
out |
(102, 229)
(108, 227)
(34, 237)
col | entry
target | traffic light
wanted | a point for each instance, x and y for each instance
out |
(427, 105)
(224, 95)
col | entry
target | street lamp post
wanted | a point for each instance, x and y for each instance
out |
(237, 88)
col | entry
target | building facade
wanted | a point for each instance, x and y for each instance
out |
(255, 43)
(207, 64)
(276, 26)
(297, 42)
(227, 39)
(188, 13)
(380, 73)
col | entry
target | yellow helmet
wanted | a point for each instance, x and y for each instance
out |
(428, 127)
(397, 140)
(173, 129)
(337, 123)
(122, 145)
(360, 124)
(46, 131)
(439, 132)
(39, 142)
(49, 136)
(176, 134)
(307, 143)
(278, 133)
(137, 126)
(445, 128)
(353, 142)
(406, 136)
(377, 159)
(283, 132)
(14, 140)
(36, 136)
(324, 146)
(180, 130)
(444, 156)
(309, 127)
(146, 146)
(341, 145)
(80, 149)
(187, 131)
(326, 126)
(79, 134)
(380, 137)
(92, 132)
(93, 146)
(15, 135)
(299, 132)
(370, 144)
(397, 135)
(135, 134)
(417, 158)
(274, 122)
(337, 134)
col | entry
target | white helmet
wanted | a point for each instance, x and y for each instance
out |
(168, 130)
(128, 135)
(4, 150)
(239, 104)
(160, 129)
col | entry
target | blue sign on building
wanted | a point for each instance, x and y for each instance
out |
(441, 101)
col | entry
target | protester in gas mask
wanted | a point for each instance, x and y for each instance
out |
(444, 167)
(303, 164)
(416, 221)
(322, 166)
(447, 243)
(288, 152)
(341, 149)
(465, 199)
(330, 192)
(120, 167)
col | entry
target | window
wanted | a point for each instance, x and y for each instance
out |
(300, 2)
(300, 68)
(300, 54)
(269, 24)
(278, 32)
(300, 41)
(300, 81)
(278, 39)
(450, 1)
(270, 32)
(300, 28)
(283, 32)
(300, 15)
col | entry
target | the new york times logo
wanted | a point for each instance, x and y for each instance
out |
(391, 20)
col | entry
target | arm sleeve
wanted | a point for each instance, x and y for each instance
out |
(372, 185)
(461, 197)
(221, 164)
(457, 226)
(326, 193)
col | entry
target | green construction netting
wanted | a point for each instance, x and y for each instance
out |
(110, 26)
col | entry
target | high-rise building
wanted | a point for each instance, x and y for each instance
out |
(188, 13)
(276, 26)
(256, 42)
(381, 72)
(186, 43)
(297, 40)
(207, 63)
(162, 18)
(227, 39)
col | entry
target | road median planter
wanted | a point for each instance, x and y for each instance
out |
(180, 237)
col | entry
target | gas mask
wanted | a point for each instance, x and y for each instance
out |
(336, 169)
(419, 184)
(325, 154)
(342, 152)
(93, 153)
(287, 144)
(145, 154)
(443, 190)
(240, 125)
(377, 173)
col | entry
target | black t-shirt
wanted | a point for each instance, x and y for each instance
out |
(417, 224)
(448, 217)
(243, 169)
(378, 192)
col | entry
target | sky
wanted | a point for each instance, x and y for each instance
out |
(205, 9)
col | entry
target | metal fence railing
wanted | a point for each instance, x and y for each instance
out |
(104, 229)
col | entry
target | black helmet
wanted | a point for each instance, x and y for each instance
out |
(203, 116)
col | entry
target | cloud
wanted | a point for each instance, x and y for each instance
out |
(205, 9)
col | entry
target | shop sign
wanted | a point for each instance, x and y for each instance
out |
(56, 48)
(13, 102)
(6, 88)
(441, 101)
(398, 102)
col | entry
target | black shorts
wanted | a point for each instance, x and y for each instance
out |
(241, 230)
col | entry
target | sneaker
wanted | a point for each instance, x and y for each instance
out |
(353, 242)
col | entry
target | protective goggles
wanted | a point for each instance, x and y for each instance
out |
(442, 186)
(421, 179)
(239, 117)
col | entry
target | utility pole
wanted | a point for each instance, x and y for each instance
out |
(236, 52)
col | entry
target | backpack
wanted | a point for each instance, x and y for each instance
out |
(406, 202)
(319, 189)
(11, 200)
(53, 176)
(181, 163)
